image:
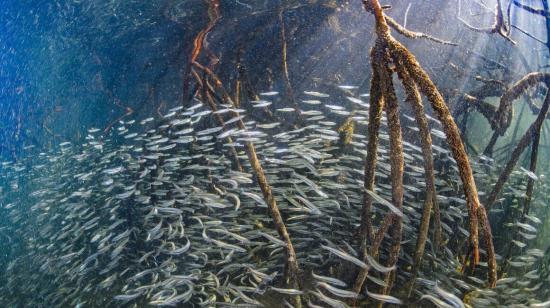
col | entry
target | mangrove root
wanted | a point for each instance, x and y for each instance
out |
(386, 53)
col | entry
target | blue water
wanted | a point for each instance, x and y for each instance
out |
(69, 67)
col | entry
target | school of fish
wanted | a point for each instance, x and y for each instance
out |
(154, 213)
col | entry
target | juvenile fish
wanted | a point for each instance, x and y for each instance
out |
(330, 280)
(345, 256)
(385, 298)
(271, 93)
(383, 201)
(338, 292)
(377, 266)
(329, 301)
(436, 301)
(316, 94)
(227, 245)
(449, 297)
(287, 291)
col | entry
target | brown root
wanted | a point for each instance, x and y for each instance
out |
(428, 88)
(407, 63)
(504, 113)
(414, 99)
(499, 26)
(414, 35)
(528, 195)
(289, 92)
(199, 42)
(501, 118)
(375, 115)
(397, 166)
(212, 104)
(522, 144)
(292, 271)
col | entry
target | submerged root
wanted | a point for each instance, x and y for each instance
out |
(397, 166)
(375, 115)
(414, 35)
(502, 118)
(289, 92)
(528, 196)
(522, 144)
(291, 264)
(499, 26)
(199, 43)
(414, 99)
(504, 112)
(212, 104)
(291, 275)
(428, 89)
(415, 80)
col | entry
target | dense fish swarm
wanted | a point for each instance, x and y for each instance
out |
(154, 213)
